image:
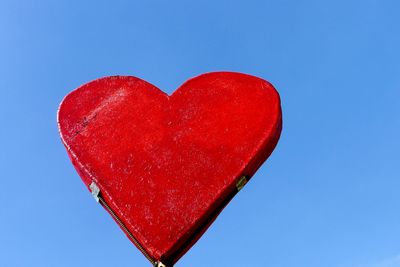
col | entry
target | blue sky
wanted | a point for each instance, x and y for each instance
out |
(328, 196)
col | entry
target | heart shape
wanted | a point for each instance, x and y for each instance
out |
(166, 165)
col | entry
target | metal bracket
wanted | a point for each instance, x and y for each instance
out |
(95, 191)
(241, 183)
(160, 264)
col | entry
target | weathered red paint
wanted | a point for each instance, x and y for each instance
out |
(167, 165)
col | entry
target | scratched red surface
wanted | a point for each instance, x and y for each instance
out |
(167, 164)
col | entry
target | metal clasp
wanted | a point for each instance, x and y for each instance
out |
(95, 191)
(241, 183)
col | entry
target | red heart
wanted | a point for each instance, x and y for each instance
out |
(167, 165)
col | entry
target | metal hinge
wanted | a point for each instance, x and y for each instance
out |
(95, 191)
(241, 183)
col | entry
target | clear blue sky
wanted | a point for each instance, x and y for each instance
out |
(327, 197)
